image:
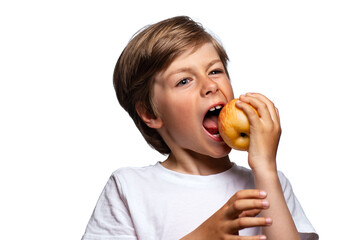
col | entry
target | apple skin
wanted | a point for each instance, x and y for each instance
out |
(234, 126)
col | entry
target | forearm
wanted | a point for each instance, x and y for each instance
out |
(265, 131)
(283, 226)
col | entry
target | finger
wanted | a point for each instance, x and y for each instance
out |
(250, 213)
(260, 106)
(246, 204)
(258, 237)
(248, 194)
(249, 204)
(270, 105)
(249, 111)
(247, 222)
(277, 116)
(233, 211)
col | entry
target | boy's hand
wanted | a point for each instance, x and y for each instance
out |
(238, 213)
(265, 130)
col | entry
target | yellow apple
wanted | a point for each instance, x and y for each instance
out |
(234, 126)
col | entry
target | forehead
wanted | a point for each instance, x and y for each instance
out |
(202, 55)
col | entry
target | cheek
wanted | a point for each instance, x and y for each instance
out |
(180, 118)
(180, 115)
(228, 90)
(159, 104)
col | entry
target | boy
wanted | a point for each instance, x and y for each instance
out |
(172, 79)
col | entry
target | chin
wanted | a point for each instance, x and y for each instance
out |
(220, 153)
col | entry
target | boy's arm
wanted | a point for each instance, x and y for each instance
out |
(265, 134)
(238, 213)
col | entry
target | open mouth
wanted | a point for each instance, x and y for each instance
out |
(210, 121)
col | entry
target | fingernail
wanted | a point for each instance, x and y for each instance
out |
(262, 237)
(268, 221)
(263, 194)
(265, 203)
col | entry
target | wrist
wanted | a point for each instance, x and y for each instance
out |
(262, 165)
(265, 171)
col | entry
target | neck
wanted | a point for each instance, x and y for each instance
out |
(197, 164)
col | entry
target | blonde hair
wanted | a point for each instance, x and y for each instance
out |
(150, 51)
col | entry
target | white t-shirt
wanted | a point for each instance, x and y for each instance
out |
(152, 203)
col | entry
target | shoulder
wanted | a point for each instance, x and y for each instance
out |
(128, 179)
(128, 173)
(133, 170)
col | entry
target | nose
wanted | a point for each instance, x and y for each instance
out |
(209, 86)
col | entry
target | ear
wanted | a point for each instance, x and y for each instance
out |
(149, 119)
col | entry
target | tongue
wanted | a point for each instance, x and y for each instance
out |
(210, 124)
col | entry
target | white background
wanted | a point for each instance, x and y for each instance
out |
(62, 132)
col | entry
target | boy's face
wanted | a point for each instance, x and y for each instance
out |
(194, 83)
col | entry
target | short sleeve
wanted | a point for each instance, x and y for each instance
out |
(303, 225)
(110, 219)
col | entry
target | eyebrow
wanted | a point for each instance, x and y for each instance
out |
(188, 69)
(212, 63)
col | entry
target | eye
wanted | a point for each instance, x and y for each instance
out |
(183, 82)
(217, 71)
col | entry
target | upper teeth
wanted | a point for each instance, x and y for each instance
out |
(216, 107)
